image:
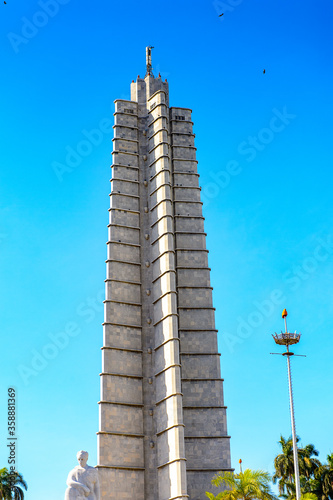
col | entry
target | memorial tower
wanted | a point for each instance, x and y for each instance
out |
(162, 432)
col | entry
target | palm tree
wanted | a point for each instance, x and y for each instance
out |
(284, 467)
(322, 484)
(327, 476)
(247, 485)
(11, 485)
(315, 487)
(4, 487)
(307, 492)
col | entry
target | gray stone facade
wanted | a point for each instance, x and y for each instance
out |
(163, 431)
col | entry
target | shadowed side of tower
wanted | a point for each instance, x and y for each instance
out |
(162, 421)
(207, 446)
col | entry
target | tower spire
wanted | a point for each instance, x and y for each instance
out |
(149, 66)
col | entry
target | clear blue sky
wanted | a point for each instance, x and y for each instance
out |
(265, 159)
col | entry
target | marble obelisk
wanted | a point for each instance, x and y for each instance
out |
(163, 432)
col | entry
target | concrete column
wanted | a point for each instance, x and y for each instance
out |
(171, 469)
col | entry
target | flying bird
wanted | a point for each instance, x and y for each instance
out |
(264, 71)
(221, 14)
(5, 3)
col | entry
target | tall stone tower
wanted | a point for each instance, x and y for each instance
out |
(163, 432)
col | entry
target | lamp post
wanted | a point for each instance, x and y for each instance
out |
(288, 339)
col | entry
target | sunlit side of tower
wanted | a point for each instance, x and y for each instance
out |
(163, 430)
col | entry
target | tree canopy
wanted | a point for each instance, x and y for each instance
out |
(247, 485)
(316, 479)
(11, 485)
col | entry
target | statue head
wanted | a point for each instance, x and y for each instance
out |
(82, 457)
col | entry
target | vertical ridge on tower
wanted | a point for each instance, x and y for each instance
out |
(162, 432)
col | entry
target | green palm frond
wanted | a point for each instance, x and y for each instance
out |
(247, 485)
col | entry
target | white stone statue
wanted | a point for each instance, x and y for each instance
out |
(82, 481)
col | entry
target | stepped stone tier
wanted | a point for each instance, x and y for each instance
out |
(163, 432)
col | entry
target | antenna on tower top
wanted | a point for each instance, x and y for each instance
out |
(148, 61)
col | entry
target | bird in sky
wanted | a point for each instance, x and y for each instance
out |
(221, 14)
(5, 3)
(264, 71)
